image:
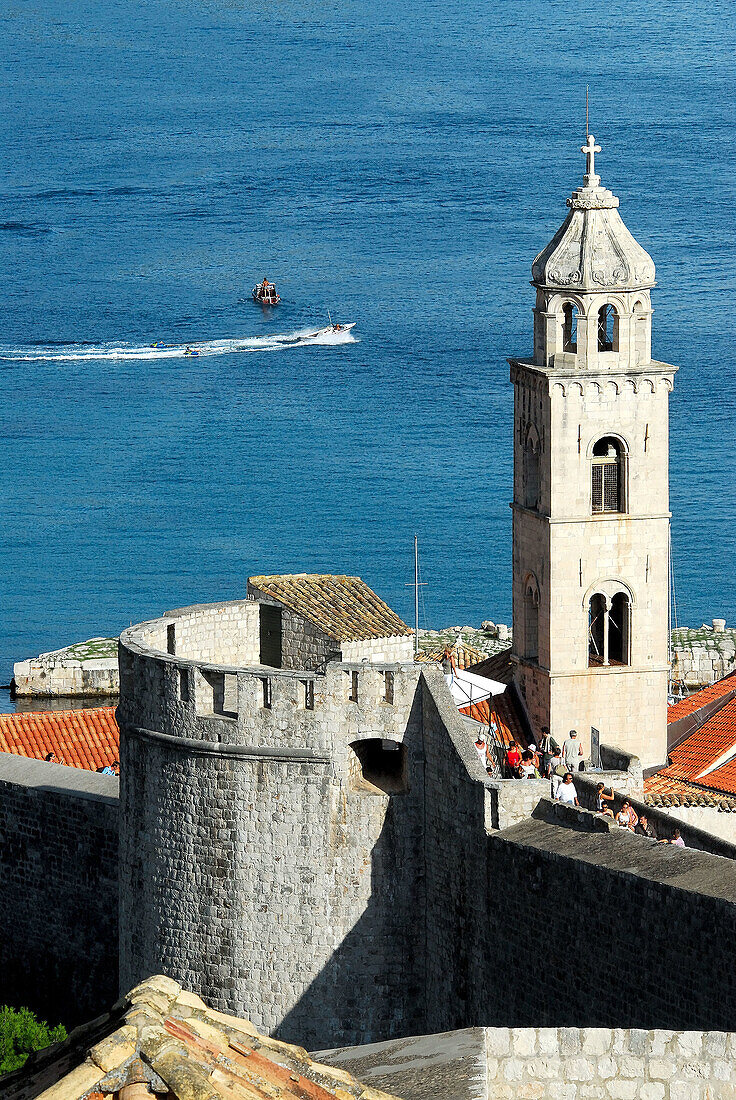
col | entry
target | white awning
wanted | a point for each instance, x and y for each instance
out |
(468, 688)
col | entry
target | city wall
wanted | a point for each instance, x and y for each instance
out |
(570, 1063)
(58, 889)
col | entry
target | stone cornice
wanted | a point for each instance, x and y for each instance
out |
(218, 748)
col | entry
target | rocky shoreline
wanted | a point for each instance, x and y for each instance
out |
(89, 669)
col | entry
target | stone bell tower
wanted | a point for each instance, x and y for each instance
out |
(591, 494)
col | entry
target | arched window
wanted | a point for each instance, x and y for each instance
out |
(608, 476)
(531, 471)
(569, 327)
(609, 628)
(531, 618)
(607, 328)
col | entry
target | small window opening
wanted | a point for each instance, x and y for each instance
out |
(607, 476)
(569, 327)
(266, 685)
(379, 766)
(353, 687)
(184, 685)
(308, 694)
(388, 687)
(171, 638)
(210, 692)
(230, 695)
(607, 328)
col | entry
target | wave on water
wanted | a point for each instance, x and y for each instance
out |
(75, 353)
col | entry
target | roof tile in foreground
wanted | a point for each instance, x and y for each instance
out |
(86, 739)
(343, 607)
(168, 1042)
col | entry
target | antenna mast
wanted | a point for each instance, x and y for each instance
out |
(416, 595)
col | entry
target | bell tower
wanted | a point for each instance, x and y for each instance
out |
(591, 492)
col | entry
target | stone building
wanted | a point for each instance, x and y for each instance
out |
(591, 498)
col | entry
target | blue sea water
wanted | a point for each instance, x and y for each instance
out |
(398, 164)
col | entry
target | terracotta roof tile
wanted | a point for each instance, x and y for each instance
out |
(700, 699)
(465, 655)
(169, 1035)
(496, 667)
(501, 713)
(86, 739)
(344, 607)
(684, 776)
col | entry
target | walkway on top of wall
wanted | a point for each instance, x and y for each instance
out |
(620, 850)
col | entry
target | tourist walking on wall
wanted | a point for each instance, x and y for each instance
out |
(528, 768)
(547, 747)
(572, 752)
(448, 665)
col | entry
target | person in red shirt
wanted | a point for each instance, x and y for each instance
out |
(513, 757)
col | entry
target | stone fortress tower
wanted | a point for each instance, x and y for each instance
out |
(591, 494)
(262, 859)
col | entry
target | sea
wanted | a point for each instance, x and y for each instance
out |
(393, 165)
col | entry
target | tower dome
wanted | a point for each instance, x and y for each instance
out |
(593, 250)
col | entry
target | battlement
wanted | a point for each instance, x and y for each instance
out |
(194, 675)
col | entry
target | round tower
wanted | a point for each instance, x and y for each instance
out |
(266, 861)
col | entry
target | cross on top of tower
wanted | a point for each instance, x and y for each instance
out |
(590, 149)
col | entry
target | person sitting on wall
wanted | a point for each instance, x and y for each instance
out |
(626, 817)
(601, 798)
(572, 753)
(566, 791)
(528, 769)
(547, 747)
(513, 759)
(644, 828)
(677, 839)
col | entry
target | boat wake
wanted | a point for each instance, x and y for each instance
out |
(75, 353)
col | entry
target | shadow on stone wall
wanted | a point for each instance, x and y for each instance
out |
(372, 988)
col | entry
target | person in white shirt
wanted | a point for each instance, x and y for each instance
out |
(566, 791)
(480, 748)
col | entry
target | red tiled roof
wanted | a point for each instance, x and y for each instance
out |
(496, 667)
(80, 738)
(464, 655)
(701, 698)
(693, 756)
(500, 712)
